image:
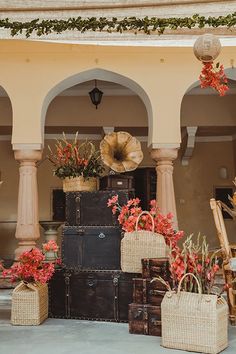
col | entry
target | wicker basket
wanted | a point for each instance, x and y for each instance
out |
(79, 184)
(29, 304)
(141, 244)
(194, 322)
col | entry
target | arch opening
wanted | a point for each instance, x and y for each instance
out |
(102, 76)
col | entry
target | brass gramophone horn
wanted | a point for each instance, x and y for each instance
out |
(121, 151)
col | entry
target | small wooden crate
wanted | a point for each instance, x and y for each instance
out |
(145, 319)
(117, 182)
(29, 304)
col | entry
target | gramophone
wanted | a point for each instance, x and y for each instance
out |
(121, 152)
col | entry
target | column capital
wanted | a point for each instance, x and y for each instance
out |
(164, 154)
(28, 155)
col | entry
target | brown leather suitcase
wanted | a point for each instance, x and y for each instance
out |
(153, 267)
(145, 319)
(91, 247)
(90, 208)
(149, 292)
(93, 295)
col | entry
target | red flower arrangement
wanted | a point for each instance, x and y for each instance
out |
(31, 268)
(73, 160)
(214, 77)
(128, 215)
(193, 258)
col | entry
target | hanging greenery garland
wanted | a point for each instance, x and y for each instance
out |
(148, 25)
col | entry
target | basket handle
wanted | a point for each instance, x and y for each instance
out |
(197, 281)
(142, 213)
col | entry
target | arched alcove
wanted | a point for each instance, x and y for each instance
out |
(9, 176)
(208, 128)
(104, 75)
(67, 107)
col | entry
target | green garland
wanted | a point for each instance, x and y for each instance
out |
(146, 25)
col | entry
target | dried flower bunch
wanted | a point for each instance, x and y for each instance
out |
(72, 159)
(31, 268)
(194, 257)
(214, 76)
(129, 213)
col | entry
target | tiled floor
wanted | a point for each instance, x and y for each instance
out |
(81, 337)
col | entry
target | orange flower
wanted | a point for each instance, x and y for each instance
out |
(214, 77)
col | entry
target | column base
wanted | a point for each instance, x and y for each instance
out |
(24, 246)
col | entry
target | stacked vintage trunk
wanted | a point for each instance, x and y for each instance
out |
(91, 284)
(145, 311)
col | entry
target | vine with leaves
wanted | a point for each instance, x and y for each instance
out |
(147, 25)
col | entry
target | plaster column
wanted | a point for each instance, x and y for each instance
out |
(27, 228)
(165, 194)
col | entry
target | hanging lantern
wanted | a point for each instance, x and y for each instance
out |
(96, 95)
(207, 48)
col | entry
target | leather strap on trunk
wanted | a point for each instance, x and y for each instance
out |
(67, 294)
(116, 297)
(145, 320)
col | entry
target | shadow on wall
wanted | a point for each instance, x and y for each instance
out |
(8, 241)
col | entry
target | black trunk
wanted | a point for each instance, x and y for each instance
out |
(91, 247)
(90, 208)
(95, 295)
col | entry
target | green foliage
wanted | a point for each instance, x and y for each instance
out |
(148, 25)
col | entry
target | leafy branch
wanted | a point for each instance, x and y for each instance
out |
(147, 25)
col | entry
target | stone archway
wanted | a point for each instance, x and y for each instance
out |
(208, 127)
(99, 74)
(9, 175)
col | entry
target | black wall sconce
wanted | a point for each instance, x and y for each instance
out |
(96, 95)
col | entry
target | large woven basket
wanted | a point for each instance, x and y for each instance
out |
(194, 322)
(141, 244)
(29, 304)
(79, 184)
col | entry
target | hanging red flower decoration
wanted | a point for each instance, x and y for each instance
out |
(214, 76)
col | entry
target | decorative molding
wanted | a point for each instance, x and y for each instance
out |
(72, 136)
(188, 152)
(213, 139)
(164, 146)
(199, 139)
(5, 137)
(23, 146)
(42, 5)
(108, 130)
(27, 146)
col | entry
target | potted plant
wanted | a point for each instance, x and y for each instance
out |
(30, 296)
(78, 165)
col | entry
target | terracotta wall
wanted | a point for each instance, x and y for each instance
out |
(208, 110)
(113, 111)
(193, 186)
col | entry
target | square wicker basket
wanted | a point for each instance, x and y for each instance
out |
(194, 322)
(29, 304)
